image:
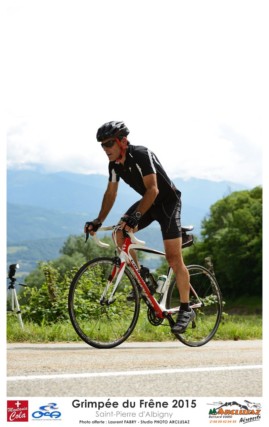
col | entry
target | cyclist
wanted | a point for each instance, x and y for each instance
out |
(161, 201)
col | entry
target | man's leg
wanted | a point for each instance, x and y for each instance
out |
(174, 258)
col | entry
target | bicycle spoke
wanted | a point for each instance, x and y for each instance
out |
(101, 319)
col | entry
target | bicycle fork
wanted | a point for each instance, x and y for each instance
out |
(117, 270)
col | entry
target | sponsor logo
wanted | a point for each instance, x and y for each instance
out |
(48, 412)
(242, 412)
(17, 411)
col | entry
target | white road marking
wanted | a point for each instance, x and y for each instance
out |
(86, 375)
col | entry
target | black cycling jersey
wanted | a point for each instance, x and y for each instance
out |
(140, 162)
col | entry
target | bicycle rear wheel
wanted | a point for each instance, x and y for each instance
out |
(206, 300)
(99, 321)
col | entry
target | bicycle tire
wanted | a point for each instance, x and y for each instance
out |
(96, 321)
(208, 316)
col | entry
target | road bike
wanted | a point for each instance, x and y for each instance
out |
(105, 294)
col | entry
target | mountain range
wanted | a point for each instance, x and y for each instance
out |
(44, 206)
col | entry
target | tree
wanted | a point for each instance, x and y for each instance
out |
(232, 235)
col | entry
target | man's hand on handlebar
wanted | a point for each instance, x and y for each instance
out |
(130, 222)
(91, 227)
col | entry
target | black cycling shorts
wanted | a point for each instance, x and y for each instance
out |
(167, 213)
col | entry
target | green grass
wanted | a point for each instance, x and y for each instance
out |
(240, 327)
(232, 327)
(241, 320)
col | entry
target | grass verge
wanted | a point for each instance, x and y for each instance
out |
(232, 327)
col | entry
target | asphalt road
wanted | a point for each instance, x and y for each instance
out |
(220, 368)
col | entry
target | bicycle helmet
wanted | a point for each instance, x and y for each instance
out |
(112, 129)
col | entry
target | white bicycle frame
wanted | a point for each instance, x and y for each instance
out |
(126, 259)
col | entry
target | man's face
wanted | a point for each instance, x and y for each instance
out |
(113, 148)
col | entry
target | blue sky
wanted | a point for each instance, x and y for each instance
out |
(188, 78)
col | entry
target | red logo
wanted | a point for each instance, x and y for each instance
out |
(17, 410)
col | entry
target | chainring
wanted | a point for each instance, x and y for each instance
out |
(153, 319)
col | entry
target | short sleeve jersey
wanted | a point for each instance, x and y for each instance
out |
(140, 162)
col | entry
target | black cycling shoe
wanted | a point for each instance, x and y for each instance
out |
(183, 320)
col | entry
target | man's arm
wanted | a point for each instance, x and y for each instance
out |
(108, 200)
(152, 191)
(107, 203)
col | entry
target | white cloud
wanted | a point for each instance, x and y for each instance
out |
(179, 73)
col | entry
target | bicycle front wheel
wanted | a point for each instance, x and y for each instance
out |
(100, 318)
(206, 301)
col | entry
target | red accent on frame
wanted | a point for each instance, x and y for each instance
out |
(125, 248)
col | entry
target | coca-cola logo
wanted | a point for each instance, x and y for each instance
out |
(17, 410)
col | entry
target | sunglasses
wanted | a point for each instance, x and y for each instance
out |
(108, 144)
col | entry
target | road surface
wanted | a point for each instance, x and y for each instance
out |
(220, 368)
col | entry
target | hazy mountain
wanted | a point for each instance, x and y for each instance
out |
(57, 204)
(45, 208)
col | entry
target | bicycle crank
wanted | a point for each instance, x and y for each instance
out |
(153, 319)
